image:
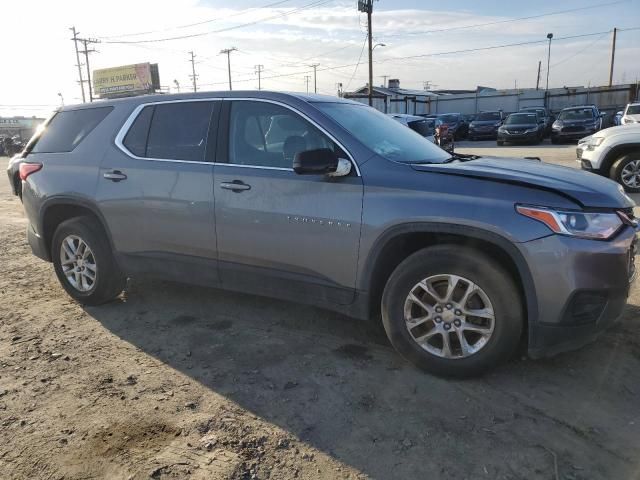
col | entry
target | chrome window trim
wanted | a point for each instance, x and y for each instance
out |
(136, 111)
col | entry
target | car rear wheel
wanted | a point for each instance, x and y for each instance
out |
(84, 263)
(452, 311)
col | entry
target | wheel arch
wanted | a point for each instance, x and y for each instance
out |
(615, 153)
(59, 209)
(400, 241)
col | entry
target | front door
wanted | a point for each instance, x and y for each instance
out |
(280, 233)
(155, 191)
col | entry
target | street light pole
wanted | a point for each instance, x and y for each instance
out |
(549, 36)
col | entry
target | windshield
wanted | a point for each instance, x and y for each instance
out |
(448, 118)
(633, 109)
(576, 114)
(384, 135)
(486, 116)
(521, 118)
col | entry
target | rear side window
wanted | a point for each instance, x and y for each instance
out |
(67, 129)
(179, 131)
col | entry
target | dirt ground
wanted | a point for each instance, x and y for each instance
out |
(173, 381)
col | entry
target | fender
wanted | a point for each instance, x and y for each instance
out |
(75, 201)
(615, 152)
(500, 241)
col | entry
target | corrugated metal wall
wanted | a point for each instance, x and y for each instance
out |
(609, 99)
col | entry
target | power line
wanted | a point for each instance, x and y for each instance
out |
(243, 12)
(315, 3)
(357, 64)
(499, 22)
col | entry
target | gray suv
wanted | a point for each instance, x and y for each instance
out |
(329, 202)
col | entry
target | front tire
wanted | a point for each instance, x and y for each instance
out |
(452, 311)
(626, 171)
(84, 263)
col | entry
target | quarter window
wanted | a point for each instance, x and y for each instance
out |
(136, 138)
(265, 134)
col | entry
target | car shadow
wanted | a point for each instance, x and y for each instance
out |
(336, 384)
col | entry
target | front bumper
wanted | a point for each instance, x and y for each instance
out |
(570, 133)
(581, 288)
(483, 133)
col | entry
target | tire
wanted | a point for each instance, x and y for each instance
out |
(499, 143)
(468, 265)
(626, 171)
(108, 280)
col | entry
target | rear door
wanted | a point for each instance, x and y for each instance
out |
(155, 190)
(280, 233)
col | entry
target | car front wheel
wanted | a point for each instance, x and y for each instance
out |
(452, 311)
(626, 171)
(84, 263)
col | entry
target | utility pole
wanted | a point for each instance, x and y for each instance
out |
(86, 42)
(384, 80)
(315, 78)
(193, 75)
(259, 69)
(228, 52)
(339, 88)
(75, 44)
(613, 55)
(306, 80)
(367, 6)
(538, 77)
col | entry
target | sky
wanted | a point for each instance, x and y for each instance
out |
(423, 42)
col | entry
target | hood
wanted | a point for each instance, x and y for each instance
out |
(587, 189)
(578, 122)
(635, 116)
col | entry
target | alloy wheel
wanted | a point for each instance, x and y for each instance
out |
(449, 316)
(630, 174)
(78, 263)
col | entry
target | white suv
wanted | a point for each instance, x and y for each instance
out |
(631, 114)
(615, 153)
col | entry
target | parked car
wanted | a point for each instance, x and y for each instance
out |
(574, 123)
(456, 123)
(631, 114)
(329, 202)
(485, 125)
(615, 153)
(424, 126)
(545, 117)
(521, 128)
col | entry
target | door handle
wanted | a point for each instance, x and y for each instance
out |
(235, 186)
(115, 176)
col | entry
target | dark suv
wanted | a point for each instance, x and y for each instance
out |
(485, 125)
(329, 202)
(574, 123)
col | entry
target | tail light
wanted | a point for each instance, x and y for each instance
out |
(27, 169)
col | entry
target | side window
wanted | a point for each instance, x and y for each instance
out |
(136, 138)
(67, 129)
(268, 135)
(179, 131)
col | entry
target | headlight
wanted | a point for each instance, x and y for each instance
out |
(594, 142)
(501, 129)
(626, 120)
(557, 125)
(599, 226)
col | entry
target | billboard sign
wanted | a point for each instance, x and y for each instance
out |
(126, 80)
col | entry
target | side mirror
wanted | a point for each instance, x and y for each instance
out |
(320, 161)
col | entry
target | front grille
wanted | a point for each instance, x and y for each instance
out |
(516, 132)
(573, 129)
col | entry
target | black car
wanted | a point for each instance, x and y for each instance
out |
(543, 113)
(574, 123)
(458, 127)
(521, 128)
(485, 125)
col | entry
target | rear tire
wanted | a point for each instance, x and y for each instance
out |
(468, 269)
(626, 171)
(85, 265)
